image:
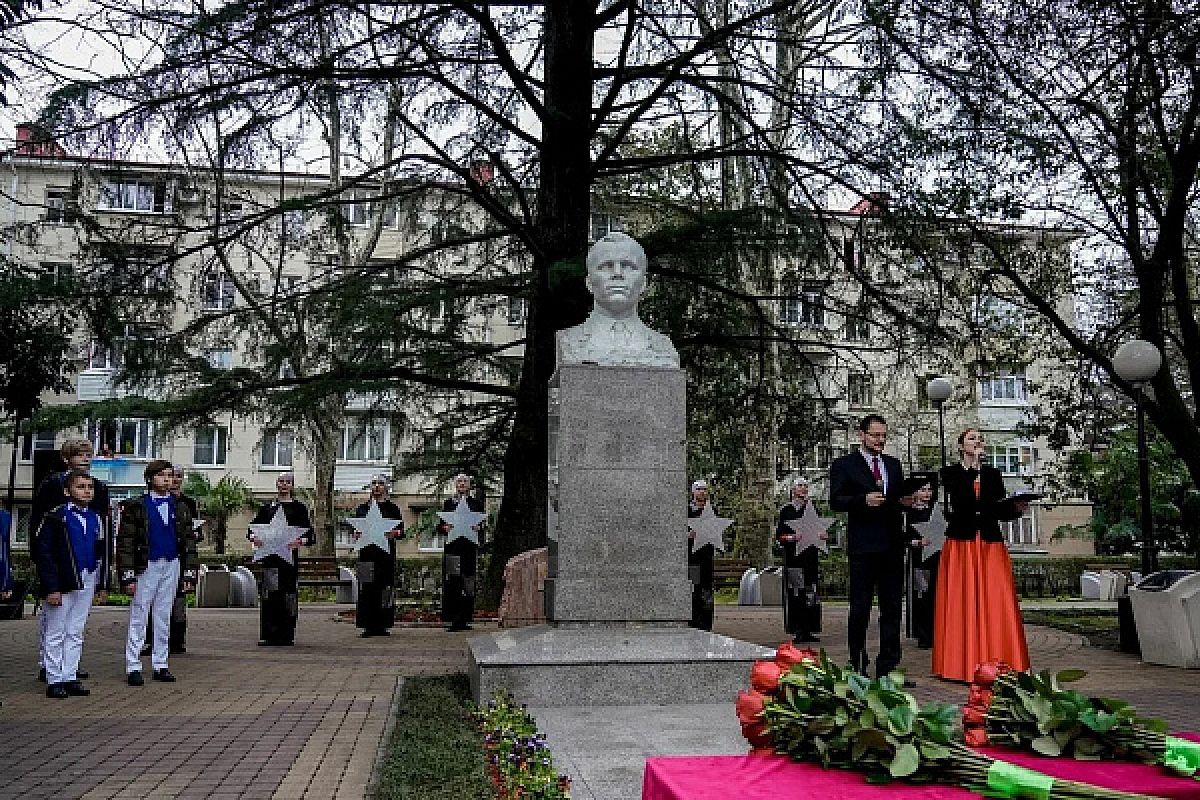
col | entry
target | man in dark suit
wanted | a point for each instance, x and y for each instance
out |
(867, 485)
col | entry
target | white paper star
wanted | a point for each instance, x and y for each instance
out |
(372, 529)
(709, 527)
(276, 536)
(810, 530)
(462, 521)
(934, 530)
(197, 524)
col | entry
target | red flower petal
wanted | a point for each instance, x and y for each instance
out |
(749, 705)
(789, 655)
(764, 676)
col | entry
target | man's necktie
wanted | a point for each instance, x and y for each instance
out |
(876, 471)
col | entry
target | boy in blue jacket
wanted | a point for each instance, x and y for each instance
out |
(70, 552)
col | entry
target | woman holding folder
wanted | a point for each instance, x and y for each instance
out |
(977, 616)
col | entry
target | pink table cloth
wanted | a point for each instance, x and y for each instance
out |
(768, 777)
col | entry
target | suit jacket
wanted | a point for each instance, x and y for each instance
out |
(968, 515)
(133, 542)
(868, 530)
(57, 562)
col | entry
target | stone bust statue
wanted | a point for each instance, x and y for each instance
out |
(613, 334)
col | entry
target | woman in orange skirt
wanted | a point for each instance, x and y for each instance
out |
(977, 616)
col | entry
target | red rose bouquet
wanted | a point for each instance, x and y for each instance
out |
(1031, 711)
(804, 706)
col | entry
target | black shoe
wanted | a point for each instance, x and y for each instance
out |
(924, 645)
(81, 675)
(805, 638)
(367, 634)
(456, 628)
(57, 690)
(176, 650)
(42, 674)
(135, 678)
(269, 643)
(145, 650)
(909, 684)
(76, 689)
(163, 675)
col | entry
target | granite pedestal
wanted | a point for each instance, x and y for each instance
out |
(617, 594)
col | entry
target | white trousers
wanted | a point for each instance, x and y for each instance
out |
(64, 631)
(153, 598)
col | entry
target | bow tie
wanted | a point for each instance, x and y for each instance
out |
(79, 510)
(158, 501)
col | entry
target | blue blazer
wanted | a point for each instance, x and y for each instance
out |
(58, 564)
(6, 571)
(868, 530)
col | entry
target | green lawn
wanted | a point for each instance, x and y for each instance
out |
(435, 753)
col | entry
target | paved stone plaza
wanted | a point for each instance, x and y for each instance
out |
(308, 721)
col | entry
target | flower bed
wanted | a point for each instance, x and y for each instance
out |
(518, 759)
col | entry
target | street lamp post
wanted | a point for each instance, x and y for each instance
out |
(939, 390)
(1138, 361)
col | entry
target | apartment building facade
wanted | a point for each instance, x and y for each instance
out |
(203, 250)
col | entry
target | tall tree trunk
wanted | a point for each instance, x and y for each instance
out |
(324, 430)
(559, 298)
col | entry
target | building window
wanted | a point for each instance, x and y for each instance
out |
(219, 359)
(604, 224)
(363, 439)
(824, 456)
(807, 307)
(518, 307)
(277, 448)
(134, 438)
(38, 440)
(150, 197)
(1003, 387)
(1012, 459)
(57, 273)
(1021, 531)
(101, 356)
(858, 328)
(212, 442)
(216, 291)
(859, 390)
(56, 206)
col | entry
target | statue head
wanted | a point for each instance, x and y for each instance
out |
(616, 273)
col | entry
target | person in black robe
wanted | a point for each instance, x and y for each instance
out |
(801, 599)
(375, 609)
(279, 596)
(50, 494)
(459, 563)
(700, 564)
(923, 577)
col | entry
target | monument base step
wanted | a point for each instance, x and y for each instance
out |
(618, 665)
